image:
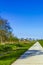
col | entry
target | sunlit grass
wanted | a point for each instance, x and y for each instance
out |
(11, 52)
(41, 42)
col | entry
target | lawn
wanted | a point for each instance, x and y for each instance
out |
(41, 42)
(10, 52)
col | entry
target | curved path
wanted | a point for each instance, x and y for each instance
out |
(34, 56)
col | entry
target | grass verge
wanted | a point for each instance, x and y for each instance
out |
(10, 52)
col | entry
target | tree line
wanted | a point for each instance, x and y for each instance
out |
(6, 34)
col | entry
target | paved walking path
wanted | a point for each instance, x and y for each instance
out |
(34, 56)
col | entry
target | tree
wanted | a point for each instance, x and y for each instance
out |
(5, 29)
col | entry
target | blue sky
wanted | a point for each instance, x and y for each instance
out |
(25, 17)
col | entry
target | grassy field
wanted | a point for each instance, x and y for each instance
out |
(10, 52)
(41, 42)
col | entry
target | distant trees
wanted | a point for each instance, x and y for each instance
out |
(6, 34)
(5, 29)
(13, 38)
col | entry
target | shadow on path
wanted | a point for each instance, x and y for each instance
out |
(30, 53)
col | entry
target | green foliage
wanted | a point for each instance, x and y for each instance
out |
(14, 52)
(5, 48)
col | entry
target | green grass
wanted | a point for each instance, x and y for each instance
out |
(41, 42)
(9, 58)
(11, 52)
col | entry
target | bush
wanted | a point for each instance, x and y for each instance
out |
(5, 48)
(19, 45)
